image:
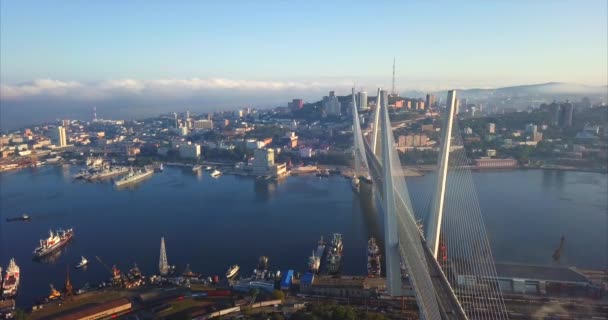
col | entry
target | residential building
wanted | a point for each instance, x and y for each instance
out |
(58, 136)
(491, 127)
(263, 160)
(295, 104)
(331, 104)
(202, 124)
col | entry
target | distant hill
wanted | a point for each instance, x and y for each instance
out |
(550, 89)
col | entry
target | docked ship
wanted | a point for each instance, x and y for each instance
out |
(134, 177)
(10, 284)
(108, 173)
(334, 257)
(232, 271)
(314, 263)
(320, 248)
(263, 263)
(354, 182)
(373, 258)
(55, 241)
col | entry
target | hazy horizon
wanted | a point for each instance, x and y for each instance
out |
(143, 57)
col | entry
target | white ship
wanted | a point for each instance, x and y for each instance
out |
(216, 173)
(134, 176)
(83, 262)
(232, 271)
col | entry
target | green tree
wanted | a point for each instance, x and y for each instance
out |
(278, 295)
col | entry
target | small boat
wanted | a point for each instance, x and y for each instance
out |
(216, 173)
(232, 271)
(208, 168)
(197, 168)
(23, 217)
(83, 262)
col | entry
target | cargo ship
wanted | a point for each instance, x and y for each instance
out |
(55, 241)
(134, 177)
(108, 173)
(11, 280)
(334, 257)
(373, 258)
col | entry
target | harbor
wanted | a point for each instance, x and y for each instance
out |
(252, 210)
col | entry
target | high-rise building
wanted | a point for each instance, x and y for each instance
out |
(491, 127)
(532, 129)
(296, 104)
(567, 111)
(331, 104)
(430, 100)
(58, 137)
(362, 100)
(263, 160)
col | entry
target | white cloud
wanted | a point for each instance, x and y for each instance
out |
(154, 88)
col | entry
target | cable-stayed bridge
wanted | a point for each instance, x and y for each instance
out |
(449, 265)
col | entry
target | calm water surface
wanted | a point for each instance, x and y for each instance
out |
(213, 223)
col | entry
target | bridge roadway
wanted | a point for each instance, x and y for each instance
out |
(449, 305)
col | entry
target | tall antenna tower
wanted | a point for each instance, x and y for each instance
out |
(94, 113)
(163, 266)
(393, 93)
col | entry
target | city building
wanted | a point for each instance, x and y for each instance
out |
(306, 152)
(202, 124)
(430, 100)
(399, 104)
(190, 150)
(491, 127)
(491, 153)
(342, 287)
(362, 100)
(412, 140)
(331, 104)
(295, 104)
(495, 163)
(290, 139)
(567, 111)
(263, 160)
(419, 105)
(58, 137)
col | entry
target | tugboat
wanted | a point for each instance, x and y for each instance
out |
(83, 262)
(232, 271)
(54, 242)
(23, 217)
(373, 258)
(11, 280)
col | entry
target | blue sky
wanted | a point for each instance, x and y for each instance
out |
(478, 43)
(265, 52)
